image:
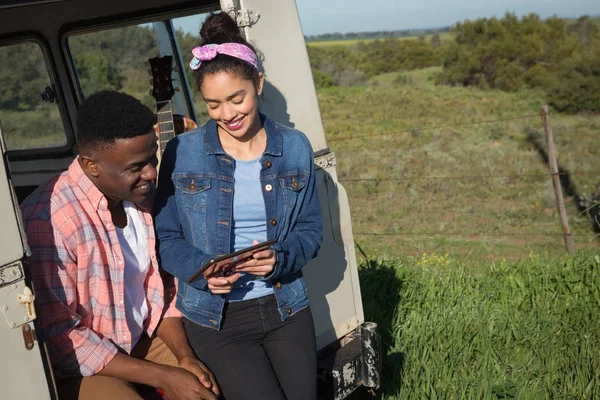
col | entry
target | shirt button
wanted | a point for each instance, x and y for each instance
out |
(278, 285)
(268, 188)
(124, 337)
(268, 164)
(122, 302)
(288, 311)
(273, 222)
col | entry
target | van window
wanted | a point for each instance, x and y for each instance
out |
(115, 59)
(28, 106)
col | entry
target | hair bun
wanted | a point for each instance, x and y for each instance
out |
(220, 24)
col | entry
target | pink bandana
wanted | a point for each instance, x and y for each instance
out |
(210, 51)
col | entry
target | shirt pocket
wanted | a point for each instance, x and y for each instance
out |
(292, 184)
(191, 190)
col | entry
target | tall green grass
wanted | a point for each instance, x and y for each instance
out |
(526, 330)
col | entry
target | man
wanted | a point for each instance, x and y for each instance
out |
(100, 294)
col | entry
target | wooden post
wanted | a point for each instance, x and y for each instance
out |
(560, 201)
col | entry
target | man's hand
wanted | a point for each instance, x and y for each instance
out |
(201, 371)
(180, 384)
(261, 264)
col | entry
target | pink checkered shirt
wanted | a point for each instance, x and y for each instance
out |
(77, 270)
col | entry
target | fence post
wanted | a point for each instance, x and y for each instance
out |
(560, 201)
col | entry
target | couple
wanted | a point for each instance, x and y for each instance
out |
(116, 324)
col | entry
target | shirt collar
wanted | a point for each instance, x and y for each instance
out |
(213, 146)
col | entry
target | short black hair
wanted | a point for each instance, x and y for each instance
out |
(107, 115)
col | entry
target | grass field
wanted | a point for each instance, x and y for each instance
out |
(421, 187)
(524, 330)
(444, 37)
(468, 282)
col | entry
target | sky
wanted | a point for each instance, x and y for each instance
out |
(328, 16)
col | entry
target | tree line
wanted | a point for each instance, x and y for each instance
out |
(375, 34)
(561, 57)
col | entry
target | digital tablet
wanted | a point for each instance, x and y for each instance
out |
(237, 256)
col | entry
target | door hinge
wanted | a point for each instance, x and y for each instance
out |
(325, 160)
(28, 336)
(245, 17)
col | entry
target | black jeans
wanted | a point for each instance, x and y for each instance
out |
(255, 355)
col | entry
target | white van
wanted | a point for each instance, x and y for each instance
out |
(44, 76)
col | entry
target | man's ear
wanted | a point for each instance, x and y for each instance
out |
(89, 163)
(261, 82)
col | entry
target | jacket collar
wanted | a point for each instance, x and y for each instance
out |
(213, 146)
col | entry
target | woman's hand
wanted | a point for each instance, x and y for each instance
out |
(261, 264)
(219, 284)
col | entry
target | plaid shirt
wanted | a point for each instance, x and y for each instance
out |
(77, 270)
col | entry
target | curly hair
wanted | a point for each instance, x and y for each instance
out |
(107, 115)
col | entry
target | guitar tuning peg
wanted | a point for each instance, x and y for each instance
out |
(176, 68)
(149, 72)
(150, 92)
(151, 81)
(177, 89)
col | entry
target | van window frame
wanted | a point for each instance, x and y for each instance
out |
(43, 152)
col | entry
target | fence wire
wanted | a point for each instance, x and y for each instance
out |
(459, 177)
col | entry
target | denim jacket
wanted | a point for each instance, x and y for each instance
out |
(194, 214)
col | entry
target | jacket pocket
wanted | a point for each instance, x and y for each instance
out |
(192, 190)
(292, 184)
(191, 193)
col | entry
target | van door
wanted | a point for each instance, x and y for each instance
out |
(24, 372)
(290, 98)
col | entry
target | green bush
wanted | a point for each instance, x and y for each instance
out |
(558, 56)
(353, 65)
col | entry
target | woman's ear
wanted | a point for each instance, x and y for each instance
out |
(261, 82)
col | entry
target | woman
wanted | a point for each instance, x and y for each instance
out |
(239, 180)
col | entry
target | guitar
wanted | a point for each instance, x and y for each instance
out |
(163, 91)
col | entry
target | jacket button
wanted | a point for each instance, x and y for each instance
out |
(273, 222)
(288, 311)
(278, 285)
(268, 164)
(268, 187)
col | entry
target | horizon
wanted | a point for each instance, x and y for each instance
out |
(344, 16)
(442, 27)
